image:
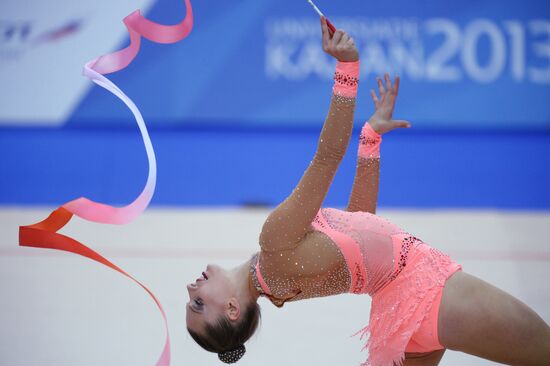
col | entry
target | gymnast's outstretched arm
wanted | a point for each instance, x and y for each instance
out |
(287, 225)
(364, 194)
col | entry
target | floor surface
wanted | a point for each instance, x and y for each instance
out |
(60, 309)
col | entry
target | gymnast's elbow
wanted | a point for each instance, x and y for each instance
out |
(329, 155)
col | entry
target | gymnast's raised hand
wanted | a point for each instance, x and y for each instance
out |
(382, 120)
(339, 45)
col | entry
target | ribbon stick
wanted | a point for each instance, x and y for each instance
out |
(329, 24)
(44, 234)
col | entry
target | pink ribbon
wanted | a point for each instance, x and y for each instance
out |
(44, 234)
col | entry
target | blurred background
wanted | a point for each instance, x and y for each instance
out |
(234, 112)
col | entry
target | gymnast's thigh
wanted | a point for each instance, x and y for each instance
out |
(480, 319)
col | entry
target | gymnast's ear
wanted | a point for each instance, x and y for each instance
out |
(233, 310)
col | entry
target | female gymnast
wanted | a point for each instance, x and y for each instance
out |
(422, 302)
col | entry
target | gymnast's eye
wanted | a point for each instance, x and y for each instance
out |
(198, 302)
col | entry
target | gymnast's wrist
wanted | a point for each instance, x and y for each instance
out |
(369, 143)
(374, 127)
(346, 79)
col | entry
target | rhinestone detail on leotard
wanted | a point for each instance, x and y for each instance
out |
(344, 79)
(408, 243)
(367, 140)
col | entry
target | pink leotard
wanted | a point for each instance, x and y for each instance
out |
(381, 260)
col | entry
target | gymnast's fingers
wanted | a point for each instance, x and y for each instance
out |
(337, 37)
(394, 91)
(345, 38)
(396, 84)
(381, 89)
(402, 123)
(388, 82)
(326, 34)
(374, 97)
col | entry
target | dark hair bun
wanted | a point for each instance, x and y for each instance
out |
(232, 356)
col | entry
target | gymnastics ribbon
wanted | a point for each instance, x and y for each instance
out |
(45, 233)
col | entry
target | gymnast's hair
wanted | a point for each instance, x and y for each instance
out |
(227, 339)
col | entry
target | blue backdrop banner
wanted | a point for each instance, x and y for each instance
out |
(468, 63)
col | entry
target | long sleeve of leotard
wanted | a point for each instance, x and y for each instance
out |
(289, 222)
(364, 194)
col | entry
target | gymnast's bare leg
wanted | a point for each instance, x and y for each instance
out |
(480, 319)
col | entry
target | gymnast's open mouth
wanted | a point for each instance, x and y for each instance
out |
(204, 277)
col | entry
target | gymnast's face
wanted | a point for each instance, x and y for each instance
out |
(210, 296)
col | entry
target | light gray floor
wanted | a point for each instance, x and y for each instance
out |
(60, 309)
